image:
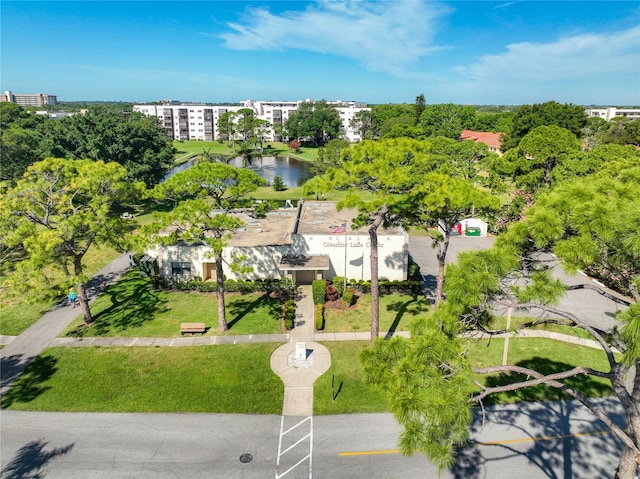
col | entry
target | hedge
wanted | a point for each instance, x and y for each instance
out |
(319, 289)
(289, 312)
(319, 317)
(283, 286)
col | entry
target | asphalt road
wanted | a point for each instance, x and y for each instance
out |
(541, 440)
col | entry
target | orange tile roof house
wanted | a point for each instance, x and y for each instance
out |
(492, 140)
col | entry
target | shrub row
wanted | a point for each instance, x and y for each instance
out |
(319, 290)
(388, 287)
(283, 286)
(289, 313)
(319, 317)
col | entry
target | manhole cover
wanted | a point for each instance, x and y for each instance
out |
(246, 458)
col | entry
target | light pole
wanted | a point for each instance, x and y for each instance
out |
(345, 257)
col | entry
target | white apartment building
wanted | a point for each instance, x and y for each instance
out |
(612, 112)
(36, 99)
(200, 122)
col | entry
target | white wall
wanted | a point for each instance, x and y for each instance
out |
(392, 254)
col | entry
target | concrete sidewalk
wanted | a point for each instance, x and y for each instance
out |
(19, 352)
(299, 368)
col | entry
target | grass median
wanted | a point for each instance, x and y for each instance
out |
(214, 379)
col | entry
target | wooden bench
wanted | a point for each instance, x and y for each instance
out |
(192, 328)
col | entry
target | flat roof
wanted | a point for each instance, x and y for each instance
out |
(273, 230)
(323, 218)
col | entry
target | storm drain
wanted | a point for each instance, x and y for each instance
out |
(246, 458)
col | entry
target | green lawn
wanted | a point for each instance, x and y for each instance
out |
(213, 379)
(544, 355)
(517, 321)
(131, 308)
(19, 310)
(396, 312)
(190, 148)
(238, 378)
(352, 394)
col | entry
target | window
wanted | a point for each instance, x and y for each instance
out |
(180, 268)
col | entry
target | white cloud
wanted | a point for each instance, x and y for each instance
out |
(384, 36)
(577, 57)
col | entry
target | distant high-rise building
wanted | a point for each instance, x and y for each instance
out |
(36, 99)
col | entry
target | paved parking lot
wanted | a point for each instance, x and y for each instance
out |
(593, 308)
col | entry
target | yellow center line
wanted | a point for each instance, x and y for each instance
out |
(477, 444)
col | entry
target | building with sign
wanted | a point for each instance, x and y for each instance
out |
(307, 242)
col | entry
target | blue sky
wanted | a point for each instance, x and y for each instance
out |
(466, 52)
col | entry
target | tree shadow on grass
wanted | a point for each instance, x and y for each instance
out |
(413, 306)
(588, 385)
(241, 307)
(31, 459)
(30, 384)
(133, 302)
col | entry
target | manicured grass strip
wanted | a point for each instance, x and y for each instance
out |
(213, 379)
(14, 319)
(131, 308)
(517, 321)
(543, 355)
(353, 395)
(396, 312)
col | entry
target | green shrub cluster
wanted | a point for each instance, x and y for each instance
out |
(338, 284)
(285, 286)
(388, 287)
(348, 296)
(319, 290)
(319, 317)
(289, 312)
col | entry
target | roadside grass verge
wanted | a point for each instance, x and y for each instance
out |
(212, 379)
(517, 322)
(544, 355)
(131, 308)
(238, 378)
(344, 381)
(396, 312)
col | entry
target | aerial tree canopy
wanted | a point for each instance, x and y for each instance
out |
(527, 117)
(317, 122)
(205, 196)
(135, 141)
(59, 210)
(589, 223)
(536, 161)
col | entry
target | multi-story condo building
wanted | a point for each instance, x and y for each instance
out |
(200, 122)
(37, 99)
(612, 112)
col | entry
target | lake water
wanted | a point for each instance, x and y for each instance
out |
(293, 172)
